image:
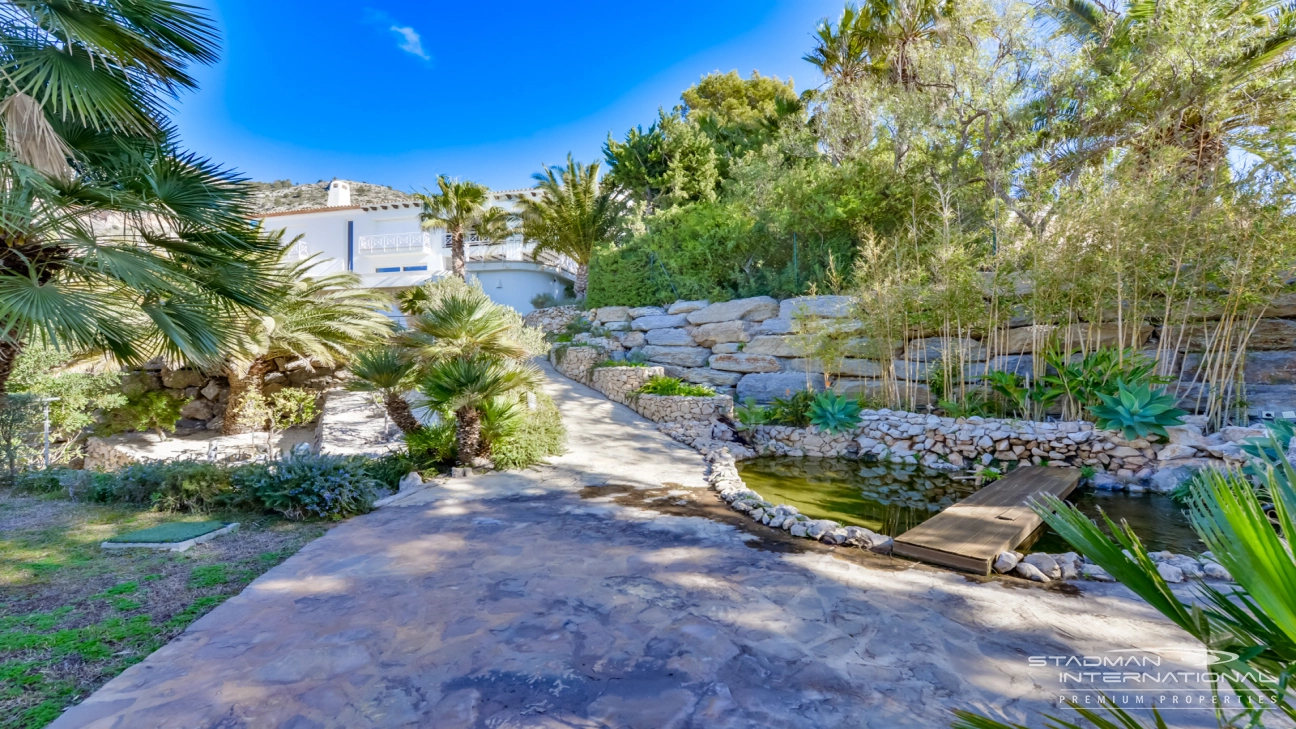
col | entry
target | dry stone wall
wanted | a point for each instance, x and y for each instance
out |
(763, 348)
(617, 383)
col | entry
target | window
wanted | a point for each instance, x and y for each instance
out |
(416, 268)
(388, 269)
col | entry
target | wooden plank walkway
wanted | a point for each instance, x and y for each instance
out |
(970, 534)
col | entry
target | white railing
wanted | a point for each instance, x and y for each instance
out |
(397, 243)
(513, 248)
(301, 250)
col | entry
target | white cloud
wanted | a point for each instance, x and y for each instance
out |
(413, 43)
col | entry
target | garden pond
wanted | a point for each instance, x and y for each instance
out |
(892, 498)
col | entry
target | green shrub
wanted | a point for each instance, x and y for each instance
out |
(155, 410)
(540, 435)
(548, 301)
(662, 385)
(750, 414)
(293, 406)
(1138, 411)
(387, 471)
(793, 410)
(170, 486)
(833, 413)
(310, 486)
(432, 446)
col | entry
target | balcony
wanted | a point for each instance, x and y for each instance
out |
(510, 249)
(416, 242)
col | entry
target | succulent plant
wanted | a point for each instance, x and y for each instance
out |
(1138, 411)
(833, 413)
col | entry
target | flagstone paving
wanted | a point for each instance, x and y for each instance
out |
(584, 594)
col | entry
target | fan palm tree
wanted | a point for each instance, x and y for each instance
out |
(573, 216)
(466, 386)
(114, 238)
(389, 371)
(324, 319)
(463, 324)
(463, 209)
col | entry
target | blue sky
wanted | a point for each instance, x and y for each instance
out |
(396, 92)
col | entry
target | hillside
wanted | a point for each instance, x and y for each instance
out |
(282, 195)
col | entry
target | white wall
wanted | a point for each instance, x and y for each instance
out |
(515, 283)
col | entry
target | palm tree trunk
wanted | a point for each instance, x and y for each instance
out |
(399, 411)
(242, 416)
(582, 280)
(468, 434)
(9, 351)
(458, 259)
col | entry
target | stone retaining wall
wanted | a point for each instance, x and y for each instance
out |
(763, 348)
(679, 408)
(618, 382)
(576, 362)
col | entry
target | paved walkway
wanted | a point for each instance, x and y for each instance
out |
(533, 600)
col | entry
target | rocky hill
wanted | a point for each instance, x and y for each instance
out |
(282, 195)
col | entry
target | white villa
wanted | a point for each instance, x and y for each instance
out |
(386, 246)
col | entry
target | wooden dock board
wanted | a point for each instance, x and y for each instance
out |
(970, 534)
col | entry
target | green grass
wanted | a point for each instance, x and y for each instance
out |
(73, 615)
(176, 531)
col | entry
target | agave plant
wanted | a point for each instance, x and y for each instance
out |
(834, 413)
(1138, 411)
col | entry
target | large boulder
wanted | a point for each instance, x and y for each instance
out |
(137, 383)
(764, 387)
(708, 376)
(642, 311)
(687, 307)
(757, 308)
(776, 326)
(1022, 340)
(612, 313)
(678, 356)
(816, 306)
(1268, 335)
(709, 335)
(931, 349)
(743, 362)
(668, 337)
(197, 410)
(665, 321)
(848, 367)
(630, 340)
(776, 346)
(180, 379)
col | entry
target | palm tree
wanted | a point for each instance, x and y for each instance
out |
(114, 238)
(466, 386)
(879, 39)
(463, 209)
(389, 371)
(573, 217)
(324, 319)
(463, 324)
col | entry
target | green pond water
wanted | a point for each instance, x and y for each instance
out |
(892, 498)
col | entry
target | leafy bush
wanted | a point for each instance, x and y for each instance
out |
(539, 435)
(155, 410)
(793, 410)
(1138, 411)
(38, 371)
(1086, 383)
(751, 414)
(662, 385)
(168, 486)
(833, 413)
(293, 406)
(18, 413)
(548, 301)
(974, 403)
(310, 486)
(433, 445)
(387, 471)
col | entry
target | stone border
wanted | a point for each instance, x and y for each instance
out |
(172, 546)
(715, 441)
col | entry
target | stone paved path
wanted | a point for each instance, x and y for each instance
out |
(516, 600)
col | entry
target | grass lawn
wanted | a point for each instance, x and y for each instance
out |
(72, 615)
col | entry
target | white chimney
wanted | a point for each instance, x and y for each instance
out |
(339, 193)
